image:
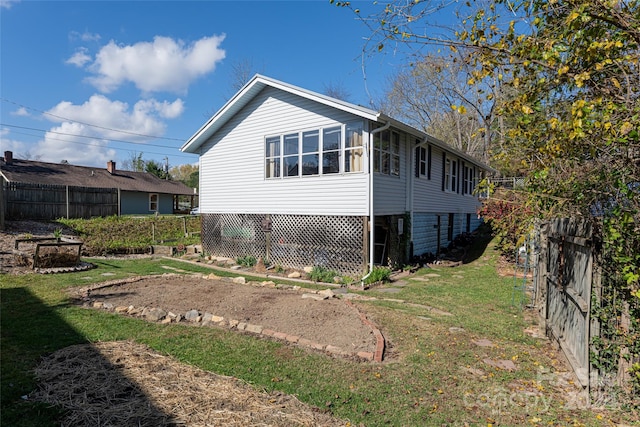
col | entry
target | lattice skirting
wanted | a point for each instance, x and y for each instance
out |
(336, 243)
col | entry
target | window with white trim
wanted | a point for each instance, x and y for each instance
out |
(454, 176)
(386, 153)
(153, 202)
(468, 180)
(353, 151)
(423, 161)
(273, 157)
(447, 174)
(315, 152)
(450, 175)
(331, 144)
(291, 155)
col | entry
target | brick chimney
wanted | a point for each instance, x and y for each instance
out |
(8, 157)
(111, 167)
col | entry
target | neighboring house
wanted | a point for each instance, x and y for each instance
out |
(84, 189)
(303, 179)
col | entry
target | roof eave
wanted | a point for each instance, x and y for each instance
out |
(247, 93)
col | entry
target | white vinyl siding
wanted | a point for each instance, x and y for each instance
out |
(390, 191)
(232, 166)
(429, 197)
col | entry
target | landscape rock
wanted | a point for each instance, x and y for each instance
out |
(308, 269)
(192, 316)
(327, 292)
(294, 275)
(155, 314)
(314, 297)
(241, 280)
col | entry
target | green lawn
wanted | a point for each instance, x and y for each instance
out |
(432, 375)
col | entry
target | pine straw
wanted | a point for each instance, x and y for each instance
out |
(127, 384)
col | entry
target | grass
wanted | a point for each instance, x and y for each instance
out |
(433, 375)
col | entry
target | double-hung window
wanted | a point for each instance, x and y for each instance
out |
(153, 202)
(454, 176)
(331, 145)
(353, 152)
(310, 152)
(273, 157)
(291, 157)
(423, 161)
(386, 152)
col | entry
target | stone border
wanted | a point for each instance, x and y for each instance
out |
(196, 318)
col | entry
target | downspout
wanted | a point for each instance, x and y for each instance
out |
(372, 217)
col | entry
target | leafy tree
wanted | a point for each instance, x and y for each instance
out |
(432, 94)
(186, 173)
(572, 114)
(134, 163)
(155, 168)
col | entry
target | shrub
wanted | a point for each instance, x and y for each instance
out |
(378, 274)
(321, 274)
(247, 261)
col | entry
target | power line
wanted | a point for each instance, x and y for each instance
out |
(89, 124)
(91, 145)
(85, 136)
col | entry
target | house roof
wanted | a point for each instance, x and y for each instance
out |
(259, 82)
(34, 172)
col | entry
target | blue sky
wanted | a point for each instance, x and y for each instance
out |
(91, 81)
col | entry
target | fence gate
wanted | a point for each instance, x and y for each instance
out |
(567, 260)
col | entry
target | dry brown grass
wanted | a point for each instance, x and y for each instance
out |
(126, 383)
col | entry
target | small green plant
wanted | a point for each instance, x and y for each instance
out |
(279, 269)
(378, 274)
(246, 261)
(57, 233)
(321, 274)
(347, 280)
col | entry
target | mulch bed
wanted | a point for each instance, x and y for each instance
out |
(124, 383)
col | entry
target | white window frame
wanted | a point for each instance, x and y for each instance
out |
(275, 155)
(386, 152)
(153, 202)
(447, 173)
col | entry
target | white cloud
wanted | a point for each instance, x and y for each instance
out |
(75, 149)
(111, 116)
(20, 149)
(85, 37)
(80, 58)
(21, 112)
(162, 65)
(6, 4)
(164, 109)
(74, 140)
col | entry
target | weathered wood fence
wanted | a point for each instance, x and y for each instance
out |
(46, 201)
(566, 276)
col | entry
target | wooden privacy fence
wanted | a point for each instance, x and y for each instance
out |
(565, 277)
(47, 201)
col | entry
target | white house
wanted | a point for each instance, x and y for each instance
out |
(299, 178)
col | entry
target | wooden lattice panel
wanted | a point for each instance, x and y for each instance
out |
(333, 242)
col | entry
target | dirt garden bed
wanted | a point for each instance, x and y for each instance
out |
(291, 314)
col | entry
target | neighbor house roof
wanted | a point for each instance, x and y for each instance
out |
(28, 171)
(259, 82)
